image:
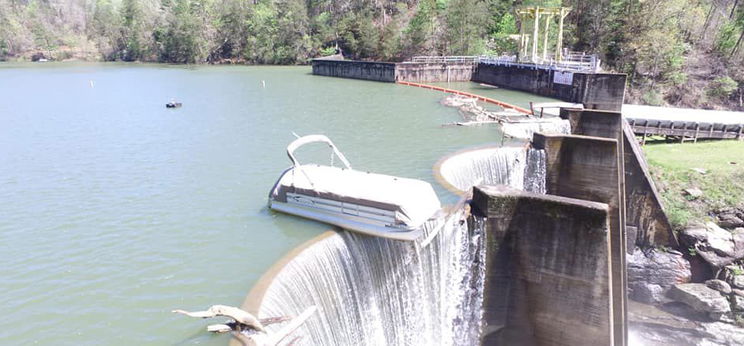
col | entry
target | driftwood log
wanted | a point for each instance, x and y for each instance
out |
(247, 328)
(236, 314)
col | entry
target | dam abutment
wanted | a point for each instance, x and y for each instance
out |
(540, 279)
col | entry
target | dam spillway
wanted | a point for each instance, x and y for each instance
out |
(521, 168)
(372, 290)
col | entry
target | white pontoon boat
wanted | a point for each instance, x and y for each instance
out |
(369, 203)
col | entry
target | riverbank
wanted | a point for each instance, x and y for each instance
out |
(698, 180)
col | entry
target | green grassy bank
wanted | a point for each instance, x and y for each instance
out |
(716, 168)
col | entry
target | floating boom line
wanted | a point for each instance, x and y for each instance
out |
(463, 93)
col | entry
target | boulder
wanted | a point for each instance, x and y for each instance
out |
(701, 298)
(730, 217)
(719, 285)
(652, 273)
(737, 303)
(738, 281)
(694, 192)
(737, 292)
(715, 245)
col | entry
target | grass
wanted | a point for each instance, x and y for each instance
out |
(722, 185)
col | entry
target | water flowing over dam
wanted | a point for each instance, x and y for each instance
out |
(534, 174)
(518, 167)
(372, 291)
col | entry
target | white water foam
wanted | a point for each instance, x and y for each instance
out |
(375, 291)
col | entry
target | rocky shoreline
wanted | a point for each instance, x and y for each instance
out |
(693, 295)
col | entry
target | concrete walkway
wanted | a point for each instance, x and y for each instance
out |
(639, 112)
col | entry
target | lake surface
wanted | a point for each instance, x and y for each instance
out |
(116, 210)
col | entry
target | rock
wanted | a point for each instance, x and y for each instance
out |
(737, 303)
(737, 292)
(715, 245)
(651, 274)
(719, 285)
(653, 326)
(700, 170)
(730, 217)
(701, 299)
(694, 192)
(738, 281)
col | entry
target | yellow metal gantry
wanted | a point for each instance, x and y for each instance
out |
(535, 14)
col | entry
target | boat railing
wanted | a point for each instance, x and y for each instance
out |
(297, 143)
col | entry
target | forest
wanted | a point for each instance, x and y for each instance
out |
(676, 52)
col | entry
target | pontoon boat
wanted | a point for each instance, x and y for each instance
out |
(369, 203)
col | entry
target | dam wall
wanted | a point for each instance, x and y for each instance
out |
(434, 72)
(375, 71)
(392, 72)
(587, 168)
(645, 219)
(547, 269)
(604, 91)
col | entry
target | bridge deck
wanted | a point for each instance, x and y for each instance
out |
(684, 124)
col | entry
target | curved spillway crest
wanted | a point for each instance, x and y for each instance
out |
(517, 167)
(376, 291)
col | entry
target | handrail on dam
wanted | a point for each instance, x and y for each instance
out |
(445, 59)
(573, 62)
(463, 93)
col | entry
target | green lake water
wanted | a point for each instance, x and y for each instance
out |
(115, 210)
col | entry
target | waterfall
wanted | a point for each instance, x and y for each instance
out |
(525, 129)
(376, 291)
(534, 175)
(502, 165)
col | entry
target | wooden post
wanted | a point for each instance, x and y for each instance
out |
(535, 34)
(522, 43)
(559, 44)
(697, 130)
(741, 127)
(710, 134)
(545, 41)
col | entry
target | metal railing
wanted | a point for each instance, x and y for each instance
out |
(445, 59)
(572, 61)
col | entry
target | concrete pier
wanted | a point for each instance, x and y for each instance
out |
(645, 219)
(587, 168)
(547, 269)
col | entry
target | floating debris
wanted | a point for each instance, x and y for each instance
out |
(248, 327)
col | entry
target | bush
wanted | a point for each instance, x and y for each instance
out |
(722, 87)
(653, 98)
(327, 51)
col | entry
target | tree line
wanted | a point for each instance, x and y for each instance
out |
(683, 52)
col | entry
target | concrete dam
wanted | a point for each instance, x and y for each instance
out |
(534, 254)
(537, 249)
